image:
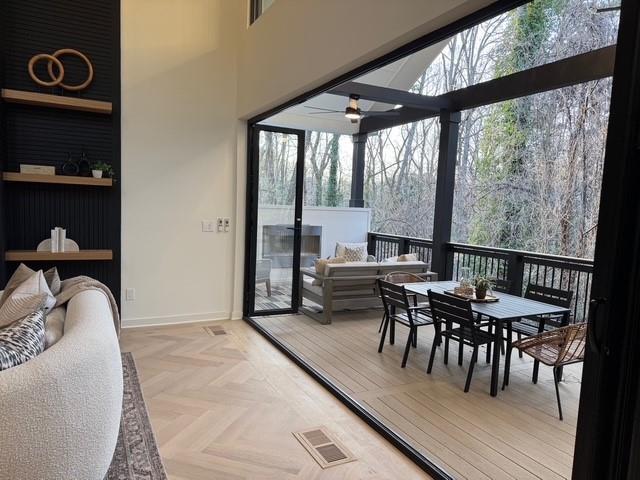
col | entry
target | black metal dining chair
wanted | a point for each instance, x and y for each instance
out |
(501, 286)
(399, 309)
(401, 278)
(454, 320)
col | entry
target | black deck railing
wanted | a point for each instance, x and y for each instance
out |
(515, 269)
(382, 245)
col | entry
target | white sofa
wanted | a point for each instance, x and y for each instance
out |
(350, 285)
(60, 412)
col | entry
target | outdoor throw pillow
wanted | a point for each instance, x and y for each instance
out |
(408, 257)
(340, 247)
(22, 341)
(355, 254)
(321, 263)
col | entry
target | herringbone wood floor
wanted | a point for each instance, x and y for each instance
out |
(224, 407)
(516, 435)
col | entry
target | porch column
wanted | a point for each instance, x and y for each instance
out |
(449, 125)
(357, 170)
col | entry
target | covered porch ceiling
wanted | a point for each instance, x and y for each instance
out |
(398, 76)
(387, 87)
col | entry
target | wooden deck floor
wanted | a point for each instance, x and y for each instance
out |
(516, 435)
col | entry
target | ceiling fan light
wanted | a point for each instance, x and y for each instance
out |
(352, 113)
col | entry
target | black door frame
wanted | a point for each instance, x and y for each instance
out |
(609, 417)
(251, 238)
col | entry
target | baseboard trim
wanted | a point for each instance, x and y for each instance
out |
(175, 319)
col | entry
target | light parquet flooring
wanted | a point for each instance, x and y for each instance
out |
(516, 435)
(224, 407)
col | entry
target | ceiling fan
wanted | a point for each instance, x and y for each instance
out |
(353, 112)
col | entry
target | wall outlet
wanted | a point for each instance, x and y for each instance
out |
(208, 225)
(220, 224)
(130, 294)
(227, 224)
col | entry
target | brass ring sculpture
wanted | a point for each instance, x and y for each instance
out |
(54, 60)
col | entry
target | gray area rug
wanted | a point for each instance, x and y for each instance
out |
(136, 456)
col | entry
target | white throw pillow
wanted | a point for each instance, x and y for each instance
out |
(31, 295)
(23, 273)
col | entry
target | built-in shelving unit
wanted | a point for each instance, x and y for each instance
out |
(35, 256)
(44, 126)
(56, 101)
(59, 179)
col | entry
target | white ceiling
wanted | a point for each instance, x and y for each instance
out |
(400, 75)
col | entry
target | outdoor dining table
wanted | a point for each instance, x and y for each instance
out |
(508, 308)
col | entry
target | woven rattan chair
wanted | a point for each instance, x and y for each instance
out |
(534, 325)
(556, 348)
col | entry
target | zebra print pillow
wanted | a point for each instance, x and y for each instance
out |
(22, 340)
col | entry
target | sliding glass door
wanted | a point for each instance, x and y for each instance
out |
(275, 220)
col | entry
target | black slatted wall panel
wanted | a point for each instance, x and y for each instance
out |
(45, 136)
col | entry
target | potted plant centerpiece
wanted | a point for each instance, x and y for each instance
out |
(101, 169)
(482, 284)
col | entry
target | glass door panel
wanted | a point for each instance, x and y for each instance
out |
(279, 202)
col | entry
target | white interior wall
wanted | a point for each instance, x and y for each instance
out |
(190, 70)
(297, 45)
(179, 150)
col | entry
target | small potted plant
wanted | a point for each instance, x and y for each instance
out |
(101, 169)
(482, 285)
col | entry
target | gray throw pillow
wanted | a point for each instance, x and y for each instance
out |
(54, 326)
(22, 340)
(53, 280)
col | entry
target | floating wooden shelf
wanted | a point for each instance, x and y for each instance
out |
(35, 256)
(56, 101)
(61, 179)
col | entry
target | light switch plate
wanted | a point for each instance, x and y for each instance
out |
(208, 226)
(130, 294)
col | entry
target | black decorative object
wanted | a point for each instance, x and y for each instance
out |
(70, 167)
(84, 166)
